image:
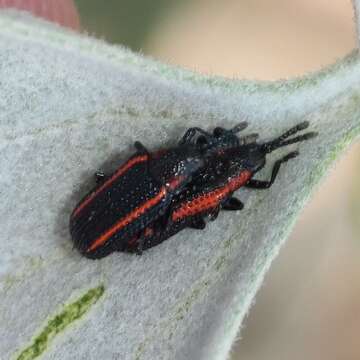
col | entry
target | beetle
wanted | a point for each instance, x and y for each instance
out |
(229, 168)
(135, 195)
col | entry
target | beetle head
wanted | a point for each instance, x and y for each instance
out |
(252, 155)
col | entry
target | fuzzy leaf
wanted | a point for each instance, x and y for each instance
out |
(70, 105)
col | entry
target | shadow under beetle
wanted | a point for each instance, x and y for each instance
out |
(155, 195)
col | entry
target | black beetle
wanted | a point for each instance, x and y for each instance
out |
(135, 195)
(231, 166)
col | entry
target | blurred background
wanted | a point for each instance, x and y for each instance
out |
(309, 305)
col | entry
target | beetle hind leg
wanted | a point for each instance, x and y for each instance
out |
(233, 204)
(214, 214)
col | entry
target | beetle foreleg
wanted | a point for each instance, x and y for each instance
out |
(188, 136)
(214, 214)
(198, 223)
(219, 131)
(233, 203)
(261, 184)
(190, 133)
(100, 177)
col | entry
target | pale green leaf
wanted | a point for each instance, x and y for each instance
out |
(71, 104)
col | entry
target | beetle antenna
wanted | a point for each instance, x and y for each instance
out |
(301, 126)
(299, 138)
(281, 140)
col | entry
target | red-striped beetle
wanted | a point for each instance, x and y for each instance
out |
(135, 195)
(230, 167)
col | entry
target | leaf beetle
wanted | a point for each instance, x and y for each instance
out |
(229, 168)
(135, 195)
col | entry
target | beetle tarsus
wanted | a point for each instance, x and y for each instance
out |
(140, 246)
(100, 177)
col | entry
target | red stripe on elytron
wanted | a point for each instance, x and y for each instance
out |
(211, 199)
(119, 172)
(127, 219)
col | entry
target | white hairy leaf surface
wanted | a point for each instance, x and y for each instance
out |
(71, 105)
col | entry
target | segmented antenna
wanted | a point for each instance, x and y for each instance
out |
(281, 140)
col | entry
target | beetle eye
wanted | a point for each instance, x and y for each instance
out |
(201, 140)
(218, 131)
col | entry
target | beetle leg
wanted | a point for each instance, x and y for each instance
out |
(165, 219)
(233, 203)
(140, 245)
(100, 177)
(140, 240)
(188, 136)
(219, 131)
(141, 148)
(198, 223)
(260, 184)
(190, 133)
(214, 214)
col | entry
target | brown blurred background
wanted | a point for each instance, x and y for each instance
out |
(309, 306)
